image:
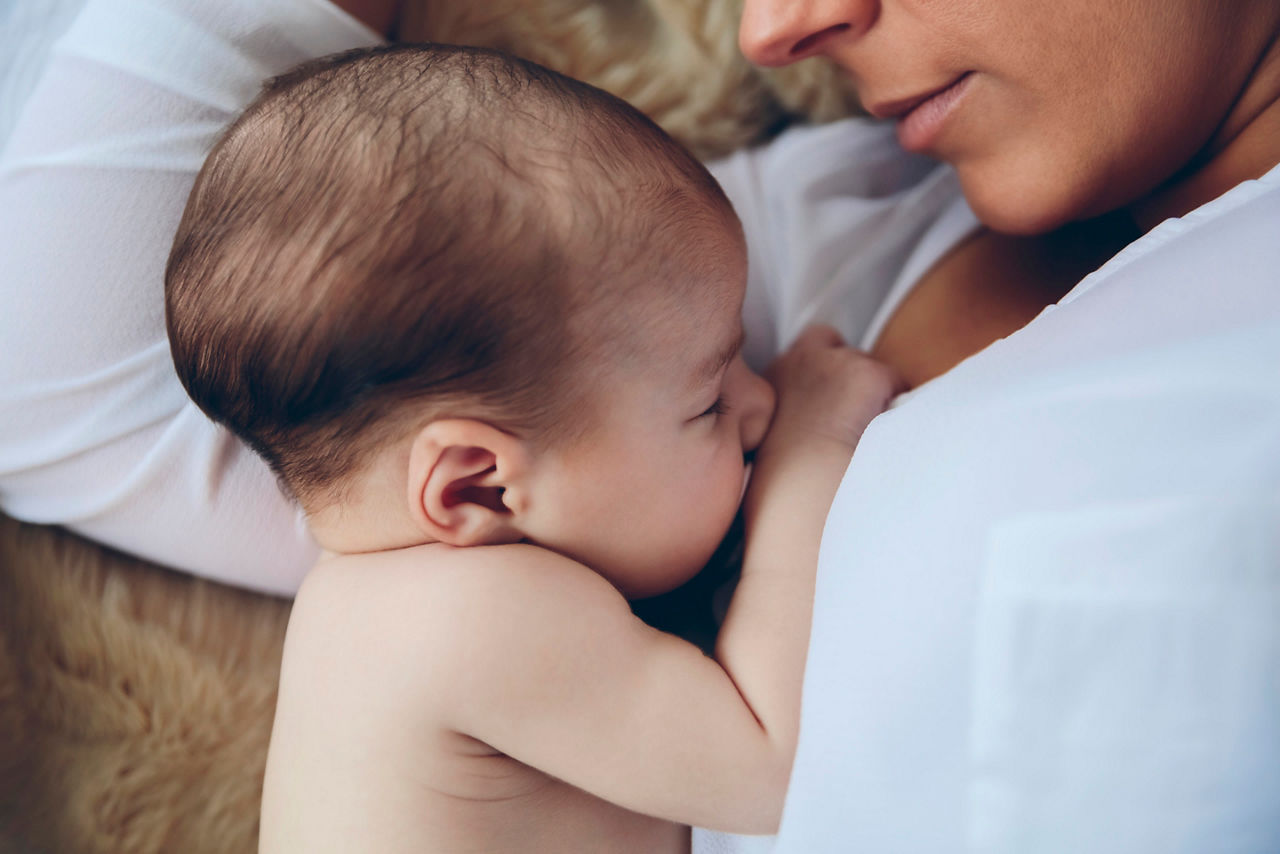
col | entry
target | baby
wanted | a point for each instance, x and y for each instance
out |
(484, 321)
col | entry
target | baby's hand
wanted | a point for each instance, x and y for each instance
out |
(827, 390)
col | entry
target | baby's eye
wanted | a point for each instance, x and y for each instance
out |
(717, 408)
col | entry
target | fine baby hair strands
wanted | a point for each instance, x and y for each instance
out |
(394, 224)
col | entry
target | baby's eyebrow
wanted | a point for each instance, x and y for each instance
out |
(710, 369)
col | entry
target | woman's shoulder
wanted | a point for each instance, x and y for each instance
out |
(1225, 241)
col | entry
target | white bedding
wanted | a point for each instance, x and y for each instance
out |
(27, 29)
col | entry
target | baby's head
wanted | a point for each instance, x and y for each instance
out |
(452, 296)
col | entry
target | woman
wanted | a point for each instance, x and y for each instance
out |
(1046, 615)
(1004, 596)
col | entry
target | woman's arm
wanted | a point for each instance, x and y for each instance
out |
(95, 430)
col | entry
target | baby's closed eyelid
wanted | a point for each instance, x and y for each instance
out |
(719, 407)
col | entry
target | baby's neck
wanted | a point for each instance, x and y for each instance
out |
(358, 527)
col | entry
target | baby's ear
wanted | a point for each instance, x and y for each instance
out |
(459, 472)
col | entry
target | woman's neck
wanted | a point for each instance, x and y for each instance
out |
(1246, 145)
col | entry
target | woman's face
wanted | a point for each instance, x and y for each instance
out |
(1050, 110)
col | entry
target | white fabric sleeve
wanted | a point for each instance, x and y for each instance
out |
(27, 31)
(96, 432)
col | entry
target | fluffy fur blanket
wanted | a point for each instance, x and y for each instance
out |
(135, 703)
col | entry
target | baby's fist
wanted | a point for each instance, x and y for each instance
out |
(827, 389)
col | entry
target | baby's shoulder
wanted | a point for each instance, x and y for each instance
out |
(443, 573)
(427, 600)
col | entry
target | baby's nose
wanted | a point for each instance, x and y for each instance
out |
(758, 402)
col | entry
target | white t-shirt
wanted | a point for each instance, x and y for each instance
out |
(96, 433)
(1048, 606)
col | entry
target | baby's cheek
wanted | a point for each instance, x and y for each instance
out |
(725, 488)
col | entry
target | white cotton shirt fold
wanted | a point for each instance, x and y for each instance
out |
(1048, 605)
(1047, 615)
(96, 432)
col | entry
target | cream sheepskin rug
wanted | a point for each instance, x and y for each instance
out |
(677, 60)
(136, 703)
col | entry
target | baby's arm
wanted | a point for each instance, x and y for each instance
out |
(389, 665)
(827, 395)
(541, 659)
(642, 718)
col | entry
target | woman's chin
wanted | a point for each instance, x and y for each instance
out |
(1018, 213)
(1028, 199)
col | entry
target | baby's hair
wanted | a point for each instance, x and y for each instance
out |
(419, 224)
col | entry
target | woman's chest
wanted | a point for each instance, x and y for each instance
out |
(985, 289)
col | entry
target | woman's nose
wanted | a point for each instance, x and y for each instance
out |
(776, 32)
(758, 400)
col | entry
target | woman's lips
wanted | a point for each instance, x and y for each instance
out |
(920, 117)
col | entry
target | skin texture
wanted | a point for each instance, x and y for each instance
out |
(528, 666)
(475, 691)
(1074, 108)
(988, 287)
(1082, 124)
(666, 452)
(676, 412)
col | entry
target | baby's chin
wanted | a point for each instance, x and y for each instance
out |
(661, 580)
(669, 564)
(724, 556)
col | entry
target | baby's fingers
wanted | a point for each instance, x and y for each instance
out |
(818, 335)
(814, 343)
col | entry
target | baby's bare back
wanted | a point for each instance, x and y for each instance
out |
(359, 761)
(495, 804)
